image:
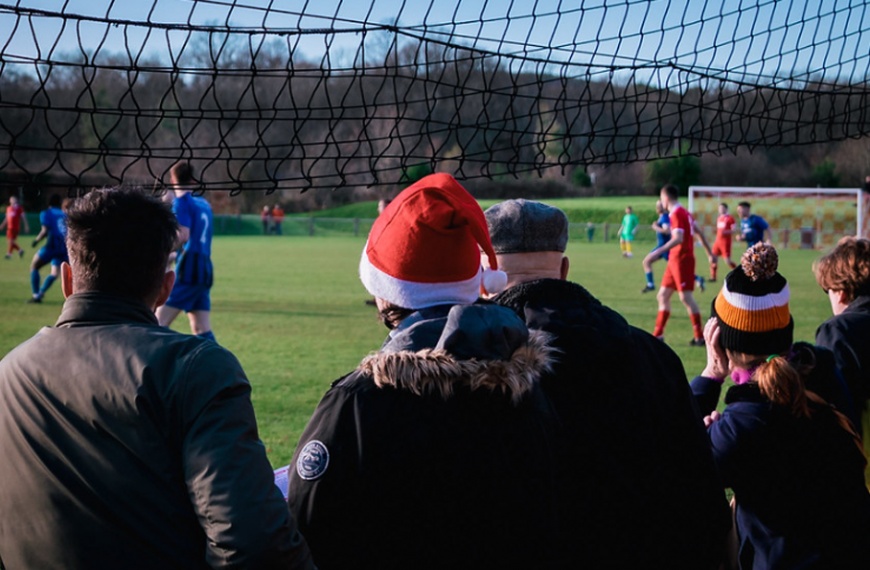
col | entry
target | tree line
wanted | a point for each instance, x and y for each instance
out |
(264, 122)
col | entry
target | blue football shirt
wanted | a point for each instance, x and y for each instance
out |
(664, 220)
(55, 221)
(753, 229)
(193, 266)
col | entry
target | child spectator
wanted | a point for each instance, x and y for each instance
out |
(793, 460)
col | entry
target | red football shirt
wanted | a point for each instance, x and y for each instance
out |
(682, 220)
(725, 223)
(13, 216)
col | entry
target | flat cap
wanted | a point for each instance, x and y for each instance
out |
(525, 226)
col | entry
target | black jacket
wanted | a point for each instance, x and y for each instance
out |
(847, 335)
(435, 453)
(124, 444)
(637, 478)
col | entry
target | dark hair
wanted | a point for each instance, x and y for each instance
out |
(183, 173)
(55, 200)
(391, 315)
(745, 204)
(672, 190)
(724, 205)
(119, 240)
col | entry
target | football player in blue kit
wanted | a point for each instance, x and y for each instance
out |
(753, 228)
(53, 229)
(193, 267)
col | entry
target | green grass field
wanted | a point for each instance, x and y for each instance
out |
(292, 309)
(579, 210)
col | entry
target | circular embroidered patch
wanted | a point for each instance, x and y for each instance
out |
(313, 460)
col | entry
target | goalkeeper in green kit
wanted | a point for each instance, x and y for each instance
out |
(627, 230)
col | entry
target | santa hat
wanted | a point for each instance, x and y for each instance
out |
(752, 307)
(424, 248)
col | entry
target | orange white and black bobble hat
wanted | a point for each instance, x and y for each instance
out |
(752, 306)
(424, 249)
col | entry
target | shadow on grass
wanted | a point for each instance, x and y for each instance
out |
(278, 309)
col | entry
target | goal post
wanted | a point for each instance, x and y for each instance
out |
(798, 217)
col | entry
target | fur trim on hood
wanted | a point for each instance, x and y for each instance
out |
(434, 370)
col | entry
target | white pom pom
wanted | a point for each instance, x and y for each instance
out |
(494, 281)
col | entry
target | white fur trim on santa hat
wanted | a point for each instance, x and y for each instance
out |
(413, 295)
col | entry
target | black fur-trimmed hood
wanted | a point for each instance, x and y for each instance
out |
(480, 347)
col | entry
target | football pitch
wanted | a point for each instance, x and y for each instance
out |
(293, 311)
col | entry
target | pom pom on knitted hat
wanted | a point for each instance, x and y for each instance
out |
(760, 262)
(752, 307)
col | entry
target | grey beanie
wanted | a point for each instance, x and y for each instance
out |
(524, 226)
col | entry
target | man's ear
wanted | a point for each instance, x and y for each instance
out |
(66, 280)
(563, 272)
(165, 288)
(843, 298)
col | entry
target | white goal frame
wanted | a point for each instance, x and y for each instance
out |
(769, 191)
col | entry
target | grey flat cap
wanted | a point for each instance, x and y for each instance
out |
(524, 226)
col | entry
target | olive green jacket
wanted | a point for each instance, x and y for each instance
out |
(124, 444)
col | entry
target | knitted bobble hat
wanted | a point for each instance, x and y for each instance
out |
(425, 248)
(752, 306)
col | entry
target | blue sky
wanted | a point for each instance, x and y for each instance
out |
(784, 37)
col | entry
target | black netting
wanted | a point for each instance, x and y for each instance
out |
(328, 93)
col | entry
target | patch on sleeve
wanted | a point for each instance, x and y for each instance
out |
(313, 460)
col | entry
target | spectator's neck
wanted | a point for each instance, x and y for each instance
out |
(525, 267)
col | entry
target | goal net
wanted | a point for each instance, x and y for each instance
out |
(272, 96)
(798, 217)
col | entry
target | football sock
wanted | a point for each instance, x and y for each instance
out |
(46, 284)
(34, 281)
(731, 264)
(649, 279)
(628, 247)
(661, 321)
(209, 335)
(696, 325)
(713, 268)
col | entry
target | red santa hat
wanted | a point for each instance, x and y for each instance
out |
(424, 248)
